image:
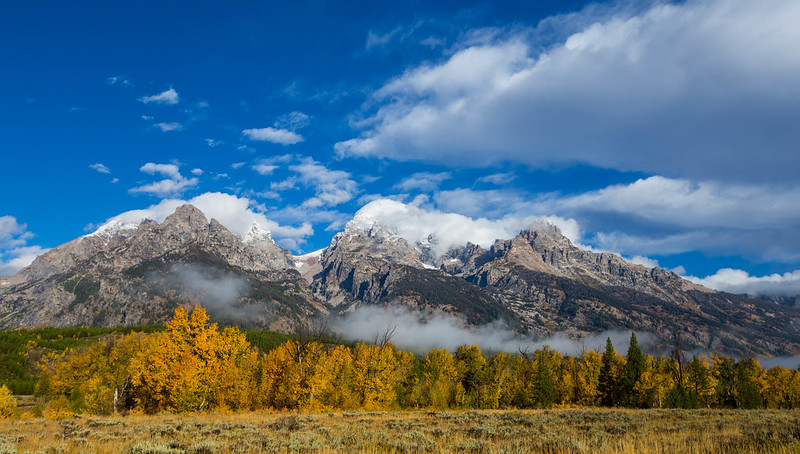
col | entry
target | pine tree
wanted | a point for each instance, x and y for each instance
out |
(608, 382)
(635, 366)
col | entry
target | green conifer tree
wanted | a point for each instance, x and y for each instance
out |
(635, 366)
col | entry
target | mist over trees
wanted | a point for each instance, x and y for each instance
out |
(193, 365)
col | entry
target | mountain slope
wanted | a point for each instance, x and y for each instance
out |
(537, 282)
(138, 275)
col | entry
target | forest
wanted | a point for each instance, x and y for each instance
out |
(194, 366)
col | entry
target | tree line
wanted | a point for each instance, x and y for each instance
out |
(193, 365)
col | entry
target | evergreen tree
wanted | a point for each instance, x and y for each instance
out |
(635, 366)
(544, 391)
(608, 382)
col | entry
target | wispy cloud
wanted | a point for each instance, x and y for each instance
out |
(270, 134)
(282, 131)
(117, 80)
(174, 183)
(423, 181)
(167, 127)
(168, 97)
(331, 187)
(15, 252)
(100, 167)
(720, 73)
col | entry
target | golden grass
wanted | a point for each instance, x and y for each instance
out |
(530, 431)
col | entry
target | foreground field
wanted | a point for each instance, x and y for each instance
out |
(553, 431)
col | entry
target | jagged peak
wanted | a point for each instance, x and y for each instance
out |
(257, 234)
(113, 228)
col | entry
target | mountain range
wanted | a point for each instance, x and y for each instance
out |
(538, 283)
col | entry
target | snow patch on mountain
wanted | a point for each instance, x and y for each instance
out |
(438, 232)
(229, 210)
(257, 234)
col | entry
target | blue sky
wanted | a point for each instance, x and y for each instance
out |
(666, 132)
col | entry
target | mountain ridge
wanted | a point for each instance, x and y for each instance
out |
(537, 282)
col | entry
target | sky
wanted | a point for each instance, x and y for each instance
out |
(662, 131)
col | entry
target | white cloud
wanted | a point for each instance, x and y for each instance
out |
(237, 165)
(444, 230)
(423, 181)
(282, 131)
(15, 252)
(689, 204)
(197, 172)
(213, 143)
(168, 170)
(114, 80)
(739, 281)
(661, 216)
(174, 183)
(331, 187)
(167, 127)
(497, 178)
(264, 169)
(293, 121)
(705, 89)
(235, 213)
(269, 134)
(168, 97)
(99, 167)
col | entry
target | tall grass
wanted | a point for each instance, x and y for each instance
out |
(530, 431)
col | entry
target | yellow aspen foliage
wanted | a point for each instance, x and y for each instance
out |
(567, 381)
(192, 366)
(794, 390)
(778, 390)
(375, 375)
(588, 378)
(498, 388)
(337, 391)
(407, 389)
(8, 405)
(439, 377)
(700, 380)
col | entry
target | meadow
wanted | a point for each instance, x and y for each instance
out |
(472, 431)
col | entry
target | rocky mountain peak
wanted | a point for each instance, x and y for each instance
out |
(258, 234)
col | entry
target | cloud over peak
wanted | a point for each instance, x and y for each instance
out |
(168, 97)
(173, 184)
(689, 89)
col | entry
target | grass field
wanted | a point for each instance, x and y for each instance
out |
(533, 431)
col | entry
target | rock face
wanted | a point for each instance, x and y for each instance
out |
(556, 287)
(537, 282)
(541, 284)
(139, 275)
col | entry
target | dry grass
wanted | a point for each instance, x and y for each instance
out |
(555, 431)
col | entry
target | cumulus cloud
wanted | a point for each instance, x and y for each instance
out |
(423, 181)
(443, 231)
(173, 184)
(168, 97)
(270, 134)
(99, 167)
(237, 214)
(332, 187)
(264, 169)
(693, 204)
(15, 252)
(169, 126)
(739, 281)
(283, 131)
(704, 89)
(660, 216)
(420, 332)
